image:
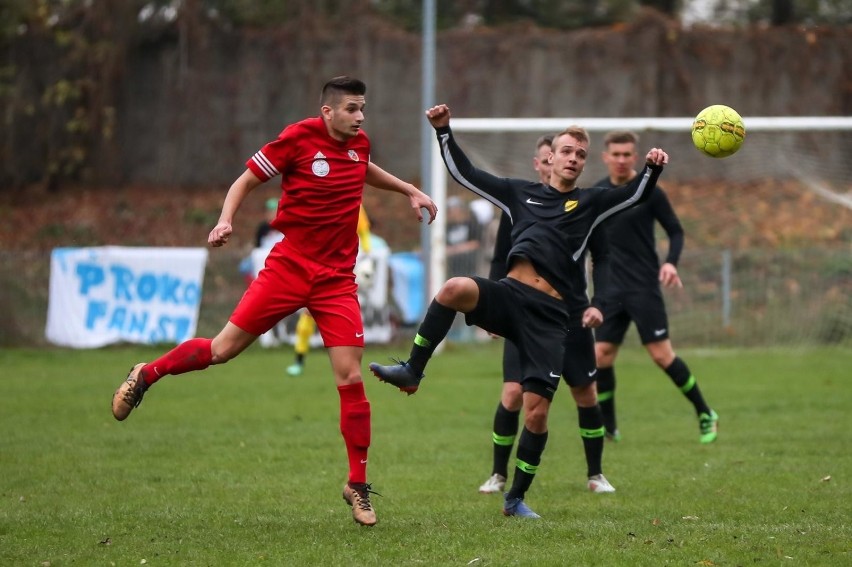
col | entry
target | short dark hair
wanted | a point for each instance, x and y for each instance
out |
(333, 89)
(577, 132)
(621, 137)
(547, 140)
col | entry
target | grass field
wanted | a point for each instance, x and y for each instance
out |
(242, 465)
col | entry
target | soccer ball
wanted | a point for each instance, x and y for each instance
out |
(718, 131)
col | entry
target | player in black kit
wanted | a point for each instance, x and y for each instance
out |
(578, 369)
(551, 225)
(631, 287)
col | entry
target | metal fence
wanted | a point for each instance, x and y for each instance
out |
(730, 298)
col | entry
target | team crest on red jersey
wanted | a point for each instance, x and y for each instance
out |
(353, 155)
(320, 167)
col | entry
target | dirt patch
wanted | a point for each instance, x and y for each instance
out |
(36, 219)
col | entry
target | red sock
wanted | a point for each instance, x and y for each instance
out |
(355, 427)
(194, 354)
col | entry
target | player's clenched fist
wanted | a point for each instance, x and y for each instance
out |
(439, 116)
(220, 234)
(656, 156)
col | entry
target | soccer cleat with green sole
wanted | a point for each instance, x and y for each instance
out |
(612, 435)
(708, 424)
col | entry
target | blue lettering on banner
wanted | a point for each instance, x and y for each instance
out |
(148, 286)
(168, 289)
(170, 328)
(90, 275)
(96, 310)
(116, 322)
(191, 293)
(130, 298)
(123, 277)
(137, 324)
(144, 287)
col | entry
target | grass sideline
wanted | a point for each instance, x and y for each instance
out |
(243, 465)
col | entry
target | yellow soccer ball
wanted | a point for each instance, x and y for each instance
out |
(718, 131)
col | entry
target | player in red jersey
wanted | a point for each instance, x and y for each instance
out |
(324, 163)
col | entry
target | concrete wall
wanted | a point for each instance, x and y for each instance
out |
(192, 114)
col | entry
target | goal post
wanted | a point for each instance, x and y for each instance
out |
(806, 158)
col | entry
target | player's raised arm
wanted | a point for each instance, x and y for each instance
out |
(381, 179)
(640, 188)
(238, 191)
(482, 183)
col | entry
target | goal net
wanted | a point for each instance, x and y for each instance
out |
(768, 254)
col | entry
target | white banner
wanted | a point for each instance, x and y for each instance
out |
(110, 294)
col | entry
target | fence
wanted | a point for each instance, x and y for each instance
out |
(749, 298)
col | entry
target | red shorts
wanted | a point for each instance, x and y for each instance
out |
(290, 281)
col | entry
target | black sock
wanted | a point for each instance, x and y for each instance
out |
(530, 447)
(432, 331)
(505, 431)
(592, 433)
(606, 396)
(680, 374)
(300, 359)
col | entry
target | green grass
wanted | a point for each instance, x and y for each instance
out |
(242, 465)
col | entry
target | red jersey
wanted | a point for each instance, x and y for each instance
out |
(322, 180)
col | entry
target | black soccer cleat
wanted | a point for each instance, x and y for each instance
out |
(400, 375)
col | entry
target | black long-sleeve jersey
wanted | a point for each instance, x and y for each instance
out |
(549, 228)
(502, 245)
(634, 263)
(598, 247)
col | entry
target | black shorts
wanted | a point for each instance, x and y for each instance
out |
(578, 366)
(578, 360)
(511, 362)
(646, 308)
(536, 322)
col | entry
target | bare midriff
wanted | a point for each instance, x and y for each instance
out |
(524, 272)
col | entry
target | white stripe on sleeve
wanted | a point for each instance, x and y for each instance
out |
(640, 189)
(461, 180)
(264, 164)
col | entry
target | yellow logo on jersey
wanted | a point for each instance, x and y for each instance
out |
(571, 205)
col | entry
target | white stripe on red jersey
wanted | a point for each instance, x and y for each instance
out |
(265, 165)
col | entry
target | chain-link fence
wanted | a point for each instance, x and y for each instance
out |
(747, 297)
